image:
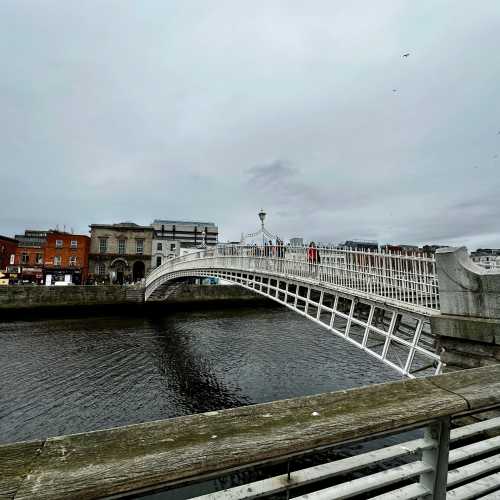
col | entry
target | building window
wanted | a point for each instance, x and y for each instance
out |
(139, 246)
(103, 245)
(121, 247)
(100, 269)
(158, 261)
(159, 247)
(59, 243)
(172, 247)
(74, 244)
(39, 258)
(25, 258)
(57, 260)
(72, 260)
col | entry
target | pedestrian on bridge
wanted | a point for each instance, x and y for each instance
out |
(313, 258)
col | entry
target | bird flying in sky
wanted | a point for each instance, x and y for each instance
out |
(406, 55)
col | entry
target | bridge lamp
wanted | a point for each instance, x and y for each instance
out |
(262, 216)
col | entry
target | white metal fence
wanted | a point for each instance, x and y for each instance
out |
(405, 278)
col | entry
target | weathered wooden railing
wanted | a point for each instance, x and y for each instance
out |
(179, 451)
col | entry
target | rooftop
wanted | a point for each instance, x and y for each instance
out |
(123, 225)
(187, 222)
(8, 238)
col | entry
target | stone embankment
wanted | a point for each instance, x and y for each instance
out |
(468, 329)
(15, 300)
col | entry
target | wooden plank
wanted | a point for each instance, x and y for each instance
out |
(481, 486)
(368, 483)
(177, 450)
(319, 472)
(410, 492)
(480, 387)
(15, 463)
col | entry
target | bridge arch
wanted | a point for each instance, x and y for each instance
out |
(396, 333)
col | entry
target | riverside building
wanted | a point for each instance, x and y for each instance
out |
(120, 253)
(171, 238)
(7, 252)
(66, 258)
(29, 256)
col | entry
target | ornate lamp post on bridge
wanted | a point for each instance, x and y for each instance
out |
(262, 231)
(262, 216)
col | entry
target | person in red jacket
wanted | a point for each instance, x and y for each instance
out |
(313, 257)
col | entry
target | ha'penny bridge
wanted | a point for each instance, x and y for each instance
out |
(380, 302)
(408, 310)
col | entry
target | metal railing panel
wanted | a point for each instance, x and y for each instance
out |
(321, 472)
(408, 278)
(369, 483)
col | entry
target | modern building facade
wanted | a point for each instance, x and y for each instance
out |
(66, 258)
(296, 242)
(188, 233)
(170, 237)
(120, 253)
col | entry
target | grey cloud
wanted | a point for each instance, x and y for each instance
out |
(123, 111)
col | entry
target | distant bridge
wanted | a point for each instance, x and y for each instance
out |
(379, 302)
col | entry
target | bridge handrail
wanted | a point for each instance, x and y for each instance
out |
(404, 276)
(181, 450)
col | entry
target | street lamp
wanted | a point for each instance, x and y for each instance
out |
(262, 216)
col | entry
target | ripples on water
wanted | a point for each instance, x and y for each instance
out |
(74, 375)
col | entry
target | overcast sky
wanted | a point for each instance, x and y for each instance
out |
(115, 110)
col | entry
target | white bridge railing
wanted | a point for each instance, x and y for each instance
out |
(407, 278)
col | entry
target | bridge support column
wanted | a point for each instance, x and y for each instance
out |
(468, 328)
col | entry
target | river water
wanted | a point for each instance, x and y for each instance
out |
(64, 376)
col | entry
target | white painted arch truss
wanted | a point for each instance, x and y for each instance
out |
(396, 336)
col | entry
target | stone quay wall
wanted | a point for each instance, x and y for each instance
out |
(25, 298)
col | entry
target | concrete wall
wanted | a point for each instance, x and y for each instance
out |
(468, 328)
(466, 289)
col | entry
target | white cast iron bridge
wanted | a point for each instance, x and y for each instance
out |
(379, 302)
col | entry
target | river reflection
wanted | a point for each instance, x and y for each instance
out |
(74, 375)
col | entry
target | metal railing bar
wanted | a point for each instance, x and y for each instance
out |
(470, 471)
(410, 492)
(476, 428)
(472, 490)
(474, 450)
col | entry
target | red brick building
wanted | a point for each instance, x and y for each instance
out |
(66, 257)
(8, 248)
